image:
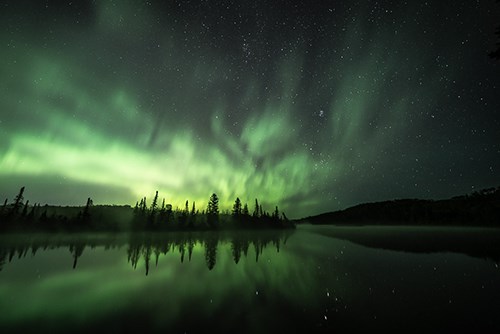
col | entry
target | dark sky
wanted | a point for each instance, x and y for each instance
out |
(312, 105)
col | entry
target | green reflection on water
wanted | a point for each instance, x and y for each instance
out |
(184, 272)
(246, 282)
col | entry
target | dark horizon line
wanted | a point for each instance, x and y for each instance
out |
(228, 211)
(462, 196)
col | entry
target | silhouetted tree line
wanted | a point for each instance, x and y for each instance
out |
(163, 217)
(147, 248)
(480, 208)
(20, 215)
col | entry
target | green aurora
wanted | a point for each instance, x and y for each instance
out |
(115, 100)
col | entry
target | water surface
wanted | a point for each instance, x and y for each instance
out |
(320, 279)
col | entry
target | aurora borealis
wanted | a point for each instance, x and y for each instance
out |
(310, 106)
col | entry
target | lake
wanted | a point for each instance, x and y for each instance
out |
(312, 279)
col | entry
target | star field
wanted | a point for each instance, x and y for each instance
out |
(311, 106)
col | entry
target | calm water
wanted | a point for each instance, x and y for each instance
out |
(321, 279)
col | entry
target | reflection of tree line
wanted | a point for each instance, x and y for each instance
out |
(20, 248)
(478, 243)
(150, 247)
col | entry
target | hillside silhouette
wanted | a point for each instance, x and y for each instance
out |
(480, 208)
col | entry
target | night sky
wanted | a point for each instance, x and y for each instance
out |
(313, 106)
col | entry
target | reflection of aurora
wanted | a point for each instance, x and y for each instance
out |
(105, 288)
(315, 282)
(148, 248)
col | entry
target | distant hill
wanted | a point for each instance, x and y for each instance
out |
(478, 209)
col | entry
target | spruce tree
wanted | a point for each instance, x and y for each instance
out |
(276, 214)
(256, 210)
(154, 204)
(152, 212)
(213, 210)
(192, 215)
(237, 208)
(193, 209)
(18, 201)
(86, 210)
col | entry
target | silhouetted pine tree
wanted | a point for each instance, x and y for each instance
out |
(161, 213)
(284, 216)
(183, 215)
(144, 206)
(18, 201)
(213, 210)
(24, 213)
(276, 214)
(155, 203)
(245, 214)
(169, 214)
(256, 210)
(192, 215)
(86, 211)
(152, 213)
(237, 208)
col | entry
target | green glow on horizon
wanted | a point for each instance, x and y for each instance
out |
(100, 135)
(180, 166)
(133, 100)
